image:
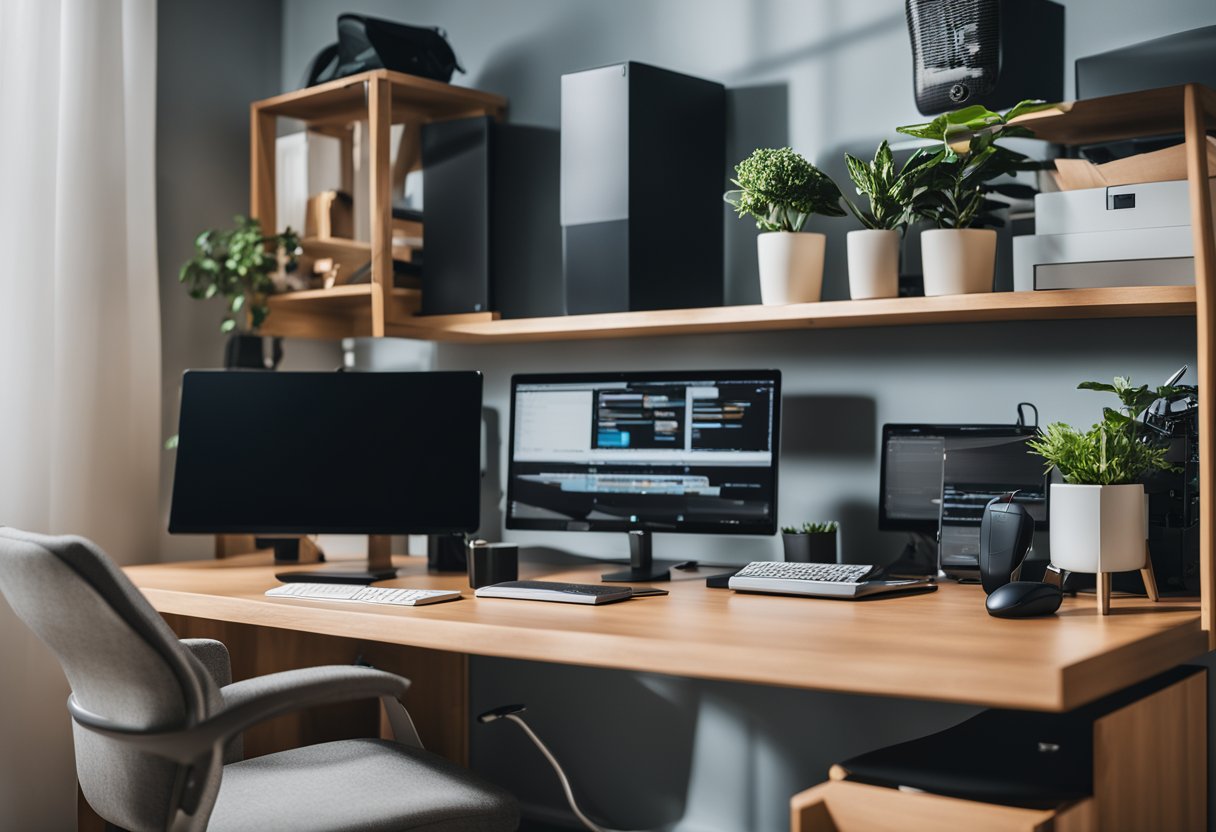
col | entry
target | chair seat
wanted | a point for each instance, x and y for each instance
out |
(361, 785)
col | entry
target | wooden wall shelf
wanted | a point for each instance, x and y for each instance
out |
(345, 100)
(340, 312)
(1131, 302)
(378, 98)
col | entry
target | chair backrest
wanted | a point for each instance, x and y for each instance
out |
(122, 662)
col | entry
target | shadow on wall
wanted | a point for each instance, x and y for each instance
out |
(638, 736)
(528, 70)
(637, 746)
(492, 476)
(837, 42)
(829, 426)
(755, 117)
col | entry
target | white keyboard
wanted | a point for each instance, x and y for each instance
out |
(823, 580)
(396, 596)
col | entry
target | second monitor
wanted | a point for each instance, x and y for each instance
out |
(645, 452)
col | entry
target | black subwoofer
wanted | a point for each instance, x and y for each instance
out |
(990, 52)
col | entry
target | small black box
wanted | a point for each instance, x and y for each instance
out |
(492, 234)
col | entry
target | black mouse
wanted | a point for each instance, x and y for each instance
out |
(1024, 599)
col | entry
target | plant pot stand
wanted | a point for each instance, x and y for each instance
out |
(1146, 574)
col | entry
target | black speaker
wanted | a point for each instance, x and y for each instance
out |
(990, 52)
(492, 233)
(643, 159)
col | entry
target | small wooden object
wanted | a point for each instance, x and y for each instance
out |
(330, 214)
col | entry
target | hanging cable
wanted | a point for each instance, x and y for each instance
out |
(512, 712)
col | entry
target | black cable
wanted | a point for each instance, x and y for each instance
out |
(1022, 415)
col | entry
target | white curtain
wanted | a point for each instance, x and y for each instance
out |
(79, 334)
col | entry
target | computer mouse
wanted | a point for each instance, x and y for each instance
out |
(1023, 599)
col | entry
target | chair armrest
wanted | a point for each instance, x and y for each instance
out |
(213, 656)
(252, 701)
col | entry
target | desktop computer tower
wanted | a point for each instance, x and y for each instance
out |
(493, 240)
(643, 161)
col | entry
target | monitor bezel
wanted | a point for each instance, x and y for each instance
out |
(889, 524)
(176, 526)
(539, 524)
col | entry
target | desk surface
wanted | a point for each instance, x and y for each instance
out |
(941, 646)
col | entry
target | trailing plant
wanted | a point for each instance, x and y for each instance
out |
(957, 176)
(1119, 450)
(236, 264)
(892, 195)
(781, 189)
(826, 527)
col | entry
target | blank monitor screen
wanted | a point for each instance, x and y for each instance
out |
(950, 472)
(673, 452)
(303, 453)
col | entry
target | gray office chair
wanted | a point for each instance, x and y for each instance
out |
(157, 721)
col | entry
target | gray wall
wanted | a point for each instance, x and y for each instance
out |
(693, 755)
(214, 56)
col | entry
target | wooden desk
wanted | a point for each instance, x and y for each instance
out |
(941, 646)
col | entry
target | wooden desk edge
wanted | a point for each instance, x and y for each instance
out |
(1051, 689)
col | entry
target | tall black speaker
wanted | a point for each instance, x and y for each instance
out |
(643, 154)
(990, 52)
(492, 236)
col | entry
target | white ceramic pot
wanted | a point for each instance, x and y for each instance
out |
(1097, 528)
(958, 261)
(873, 263)
(791, 266)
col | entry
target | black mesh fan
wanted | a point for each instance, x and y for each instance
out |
(955, 51)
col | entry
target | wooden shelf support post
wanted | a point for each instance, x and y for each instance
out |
(262, 168)
(379, 123)
(1203, 231)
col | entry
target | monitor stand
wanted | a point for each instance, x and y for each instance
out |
(918, 559)
(379, 567)
(642, 565)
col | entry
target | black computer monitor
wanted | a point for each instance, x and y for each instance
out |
(334, 452)
(939, 478)
(645, 452)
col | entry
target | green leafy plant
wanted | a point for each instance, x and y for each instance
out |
(781, 189)
(957, 176)
(892, 194)
(1118, 450)
(236, 264)
(825, 527)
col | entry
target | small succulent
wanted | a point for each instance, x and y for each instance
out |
(825, 527)
(892, 193)
(781, 189)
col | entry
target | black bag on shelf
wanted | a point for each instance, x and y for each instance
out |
(371, 43)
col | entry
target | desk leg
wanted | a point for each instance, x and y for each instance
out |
(1151, 761)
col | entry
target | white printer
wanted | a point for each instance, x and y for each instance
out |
(1120, 235)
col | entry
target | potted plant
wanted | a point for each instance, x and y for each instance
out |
(1098, 512)
(781, 189)
(240, 265)
(959, 255)
(812, 543)
(891, 193)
